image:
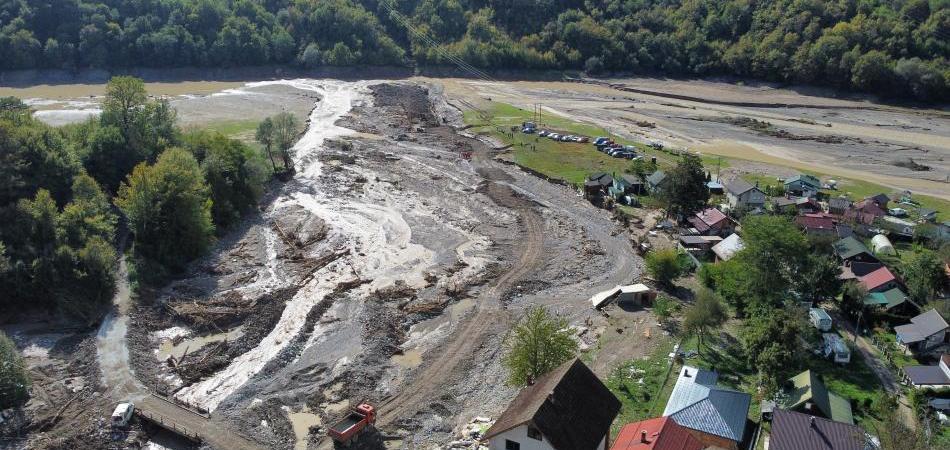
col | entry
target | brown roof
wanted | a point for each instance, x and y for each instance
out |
(796, 431)
(569, 405)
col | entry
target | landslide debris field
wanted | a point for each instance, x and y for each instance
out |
(387, 270)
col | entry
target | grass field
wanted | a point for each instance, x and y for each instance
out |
(573, 162)
(642, 386)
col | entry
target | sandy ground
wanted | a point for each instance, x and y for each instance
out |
(867, 138)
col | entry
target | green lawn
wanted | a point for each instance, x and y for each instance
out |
(642, 386)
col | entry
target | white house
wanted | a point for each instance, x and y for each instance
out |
(568, 408)
(743, 195)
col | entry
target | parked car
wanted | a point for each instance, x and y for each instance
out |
(583, 139)
(601, 140)
(567, 138)
(527, 130)
(554, 136)
(543, 133)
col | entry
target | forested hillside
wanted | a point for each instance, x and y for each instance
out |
(58, 225)
(891, 47)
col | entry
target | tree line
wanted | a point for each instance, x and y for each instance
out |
(64, 189)
(889, 47)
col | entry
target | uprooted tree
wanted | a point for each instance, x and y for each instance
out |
(538, 343)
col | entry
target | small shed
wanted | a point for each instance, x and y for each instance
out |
(639, 294)
(835, 348)
(882, 245)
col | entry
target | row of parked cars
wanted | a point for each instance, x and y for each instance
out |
(603, 144)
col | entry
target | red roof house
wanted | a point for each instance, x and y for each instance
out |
(661, 433)
(879, 280)
(711, 222)
(816, 224)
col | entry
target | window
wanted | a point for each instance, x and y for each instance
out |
(534, 433)
(512, 445)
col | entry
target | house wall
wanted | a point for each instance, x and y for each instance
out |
(754, 198)
(711, 440)
(935, 339)
(520, 435)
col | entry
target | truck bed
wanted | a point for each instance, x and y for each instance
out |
(349, 422)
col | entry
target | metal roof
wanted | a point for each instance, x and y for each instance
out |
(807, 387)
(697, 403)
(738, 186)
(796, 431)
(729, 246)
(662, 433)
(850, 247)
(921, 327)
(927, 375)
(656, 178)
(877, 278)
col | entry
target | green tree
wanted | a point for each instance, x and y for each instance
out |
(124, 96)
(893, 433)
(641, 168)
(706, 315)
(538, 343)
(664, 266)
(772, 259)
(664, 308)
(265, 136)
(286, 130)
(777, 344)
(169, 209)
(819, 278)
(14, 379)
(685, 191)
(923, 274)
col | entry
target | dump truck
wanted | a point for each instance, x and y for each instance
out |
(360, 417)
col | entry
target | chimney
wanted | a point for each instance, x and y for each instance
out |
(643, 436)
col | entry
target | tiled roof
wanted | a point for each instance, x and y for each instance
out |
(711, 216)
(796, 431)
(877, 278)
(807, 387)
(697, 403)
(661, 434)
(815, 223)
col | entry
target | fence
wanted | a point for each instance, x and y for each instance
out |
(168, 425)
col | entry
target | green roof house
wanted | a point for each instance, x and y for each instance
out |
(888, 300)
(851, 249)
(806, 394)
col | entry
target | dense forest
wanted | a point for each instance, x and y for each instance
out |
(63, 190)
(891, 47)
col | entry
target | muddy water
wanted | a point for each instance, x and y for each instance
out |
(169, 348)
(408, 359)
(301, 423)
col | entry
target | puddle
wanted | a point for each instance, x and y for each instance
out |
(393, 444)
(408, 359)
(301, 423)
(458, 309)
(169, 348)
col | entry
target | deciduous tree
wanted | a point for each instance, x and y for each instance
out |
(538, 343)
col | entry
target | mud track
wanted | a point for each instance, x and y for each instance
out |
(434, 379)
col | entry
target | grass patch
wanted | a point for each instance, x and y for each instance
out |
(237, 128)
(642, 386)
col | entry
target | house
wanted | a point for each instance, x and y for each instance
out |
(656, 181)
(711, 222)
(743, 195)
(729, 246)
(660, 433)
(628, 184)
(784, 204)
(880, 200)
(832, 346)
(924, 332)
(715, 187)
(803, 185)
(838, 205)
(844, 230)
(807, 394)
(597, 185)
(715, 416)
(879, 280)
(892, 300)
(638, 294)
(807, 205)
(815, 225)
(850, 249)
(865, 212)
(900, 227)
(820, 319)
(934, 377)
(796, 431)
(568, 408)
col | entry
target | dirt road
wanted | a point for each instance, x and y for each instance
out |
(431, 381)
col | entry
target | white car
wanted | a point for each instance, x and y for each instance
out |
(122, 414)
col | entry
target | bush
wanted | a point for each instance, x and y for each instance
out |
(664, 266)
(14, 381)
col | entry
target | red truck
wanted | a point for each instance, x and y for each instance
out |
(353, 424)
